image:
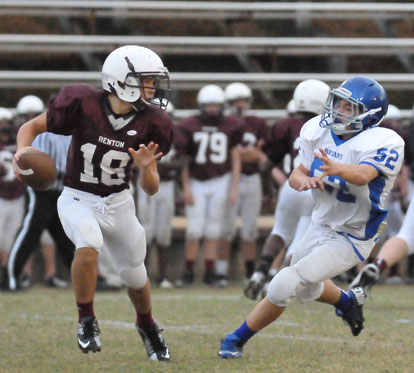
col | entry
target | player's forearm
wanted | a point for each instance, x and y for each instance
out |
(28, 132)
(235, 168)
(185, 177)
(298, 176)
(149, 179)
(357, 174)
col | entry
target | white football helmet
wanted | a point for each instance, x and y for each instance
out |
(5, 114)
(291, 107)
(310, 96)
(237, 91)
(393, 113)
(30, 105)
(211, 94)
(123, 68)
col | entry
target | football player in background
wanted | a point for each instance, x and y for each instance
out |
(238, 98)
(36, 218)
(156, 212)
(294, 209)
(11, 193)
(350, 164)
(111, 129)
(210, 177)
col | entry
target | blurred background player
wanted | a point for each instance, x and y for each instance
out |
(156, 212)
(42, 215)
(38, 203)
(294, 209)
(11, 193)
(210, 177)
(238, 98)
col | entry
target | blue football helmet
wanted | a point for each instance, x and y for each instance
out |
(368, 103)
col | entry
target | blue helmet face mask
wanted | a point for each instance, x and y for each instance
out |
(366, 100)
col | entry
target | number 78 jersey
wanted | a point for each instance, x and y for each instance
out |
(345, 207)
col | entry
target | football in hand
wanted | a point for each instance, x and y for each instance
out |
(36, 169)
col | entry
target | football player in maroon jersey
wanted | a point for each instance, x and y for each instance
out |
(293, 210)
(210, 178)
(156, 212)
(111, 129)
(238, 97)
(11, 194)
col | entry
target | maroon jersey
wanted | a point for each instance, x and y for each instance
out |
(283, 140)
(167, 167)
(209, 143)
(255, 130)
(98, 158)
(10, 186)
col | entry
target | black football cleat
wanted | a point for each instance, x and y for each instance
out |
(88, 335)
(210, 277)
(155, 345)
(354, 317)
(187, 279)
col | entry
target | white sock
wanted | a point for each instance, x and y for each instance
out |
(222, 267)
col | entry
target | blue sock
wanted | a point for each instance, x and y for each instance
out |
(244, 333)
(345, 302)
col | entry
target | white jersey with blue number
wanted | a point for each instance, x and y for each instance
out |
(355, 210)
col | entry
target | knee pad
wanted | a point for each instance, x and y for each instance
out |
(283, 286)
(309, 293)
(134, 277)
(212, 231)
(194, 231)
(248, 233)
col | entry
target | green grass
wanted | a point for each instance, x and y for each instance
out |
(38, 334)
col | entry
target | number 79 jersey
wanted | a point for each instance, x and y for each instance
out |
(98, 158)
(208, 143)
(355, 210)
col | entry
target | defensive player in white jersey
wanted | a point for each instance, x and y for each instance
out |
(294, 209)
(401, 243)
(350, 164)
(111, 129)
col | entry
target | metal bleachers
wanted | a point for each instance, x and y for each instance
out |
(205, 10)
(242, 48)
(176, 45)
(180, 80)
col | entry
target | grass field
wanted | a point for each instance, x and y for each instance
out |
(38, 329)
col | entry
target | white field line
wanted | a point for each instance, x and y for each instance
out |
(162, 297)
(212, 329)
